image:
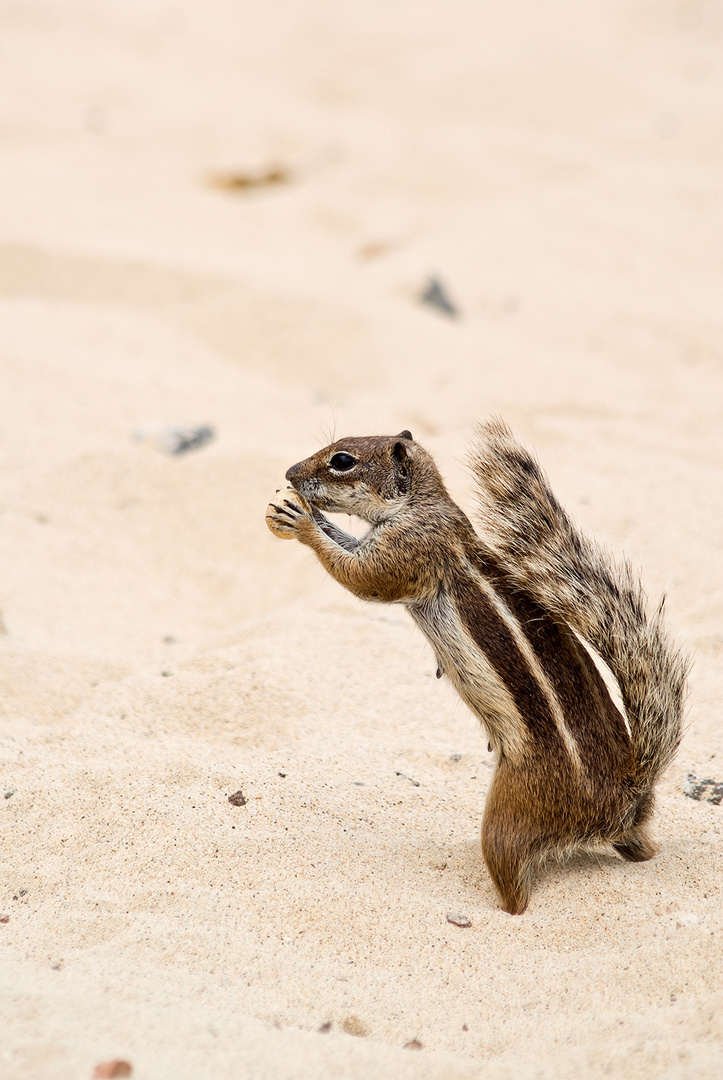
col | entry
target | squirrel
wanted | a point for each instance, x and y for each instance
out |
(507, 613)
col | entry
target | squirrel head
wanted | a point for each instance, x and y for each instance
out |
(372, 477)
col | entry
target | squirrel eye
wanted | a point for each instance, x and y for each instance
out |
(342, 462)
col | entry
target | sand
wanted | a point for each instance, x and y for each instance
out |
(558, 167)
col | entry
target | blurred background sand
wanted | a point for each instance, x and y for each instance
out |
(225, 214)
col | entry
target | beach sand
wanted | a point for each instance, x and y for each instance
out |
(225, 214)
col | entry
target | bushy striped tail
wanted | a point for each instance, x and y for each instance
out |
(577, 580)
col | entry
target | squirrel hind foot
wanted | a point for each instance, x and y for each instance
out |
(634, 843)
(512, 878)
(636, 846)
(516, 899)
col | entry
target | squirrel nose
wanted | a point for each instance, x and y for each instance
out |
(292, 472)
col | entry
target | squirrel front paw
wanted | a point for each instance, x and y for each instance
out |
(286, 513)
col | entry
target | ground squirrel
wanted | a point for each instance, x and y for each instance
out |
(505, 613)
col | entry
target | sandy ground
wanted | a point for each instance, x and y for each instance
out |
(558, 165)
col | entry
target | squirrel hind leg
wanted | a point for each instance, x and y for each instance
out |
(509, 855)
(510, 868)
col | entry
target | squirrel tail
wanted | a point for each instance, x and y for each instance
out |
(576, 580)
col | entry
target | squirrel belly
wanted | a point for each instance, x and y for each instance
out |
(504, 614)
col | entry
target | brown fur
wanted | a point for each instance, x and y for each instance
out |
(500, 614)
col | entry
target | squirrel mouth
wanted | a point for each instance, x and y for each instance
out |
(309, 489)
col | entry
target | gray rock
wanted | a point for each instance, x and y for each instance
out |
(436, 296)
(703, 790)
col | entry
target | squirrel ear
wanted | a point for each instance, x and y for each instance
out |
(399, 453)
(405, 435)
(401, 460)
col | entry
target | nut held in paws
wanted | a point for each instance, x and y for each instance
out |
(279, 516)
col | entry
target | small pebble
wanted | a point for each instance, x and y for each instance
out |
(409, 778)
(414, 1044)
(374, 249)
(666, 909)
(435, 295)
(703, 790)
(246, 180)
(110, 1070)
(354, 1026)
(237, 799)
(458, 920)
(4, 918)
(9, 793)
(176, 438)
(325, 1028)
